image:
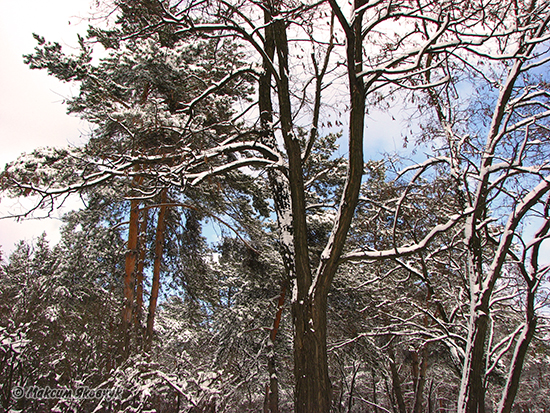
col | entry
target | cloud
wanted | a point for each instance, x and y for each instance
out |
(32, 113)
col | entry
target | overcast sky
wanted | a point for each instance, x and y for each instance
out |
(31, 109)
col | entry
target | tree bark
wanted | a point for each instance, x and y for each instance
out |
(420, 382)
(142, 238)
(129, 278)
(281, 199)
(313, 389)
(273, 390)
(396, 383)
(159, 244)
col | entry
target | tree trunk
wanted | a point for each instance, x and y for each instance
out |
(129, 278)
(142, 238)
(159, 243)
(273, 389)
(396, 383)
(420, 382)
(522, 345)
(281, 199)
(313, 389)
(472, 394)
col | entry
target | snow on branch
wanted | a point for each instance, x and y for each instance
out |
(407, 250)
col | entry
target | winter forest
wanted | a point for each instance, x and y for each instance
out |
(338, 280)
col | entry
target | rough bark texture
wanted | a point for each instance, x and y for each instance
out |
(313, 389)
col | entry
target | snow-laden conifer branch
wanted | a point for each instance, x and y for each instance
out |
(197, 178)
(188, 107)
(205, 28)
(410, 249)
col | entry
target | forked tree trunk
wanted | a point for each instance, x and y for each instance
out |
(532, 278)
(313, 387)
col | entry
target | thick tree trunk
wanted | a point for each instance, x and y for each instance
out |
(159, 245)
(313, 389)
(472, 392)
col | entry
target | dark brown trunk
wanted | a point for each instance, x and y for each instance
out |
(512, 384)
(159, 244)
(313, 390)
(374, 398)
(421, 382)
(430, 397)
(273, 389)
(531, 277)
(476, 387)
(396, 383)
(352, 387)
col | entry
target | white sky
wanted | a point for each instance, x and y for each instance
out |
(31, 109)
(32, 113)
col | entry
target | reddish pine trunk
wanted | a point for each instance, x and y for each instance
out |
(139, 276)
(159, 242)
(129, 278)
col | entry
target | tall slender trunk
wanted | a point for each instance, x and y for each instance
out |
(512, 382)
(422, 366)
(159, 245)
(281, 199)
(374, 398)
(396, 383)
(273, 390)
(532, 279)
(142, 238)
(129, 278)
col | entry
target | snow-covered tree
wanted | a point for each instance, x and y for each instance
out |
(451, 224)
